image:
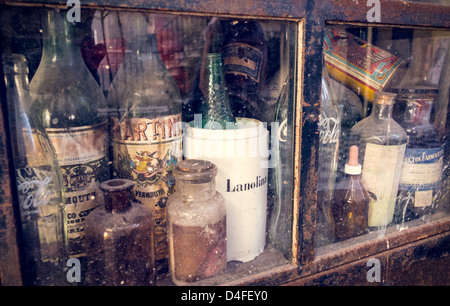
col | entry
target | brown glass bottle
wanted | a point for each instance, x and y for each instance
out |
(244, 53)
(120, 239)
(351, 201)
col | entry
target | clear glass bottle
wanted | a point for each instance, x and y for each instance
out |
(423, 162)
(146, 134)
(329, 128)
(39, 183)
(216, 111)
(197, 223)
(120, 239)
(281, 216)
(382, 142)
(67, 99)
(350, 201)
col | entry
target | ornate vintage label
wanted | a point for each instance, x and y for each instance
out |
(243, 59)
(421, 174)
(146, 150)
(82, 155)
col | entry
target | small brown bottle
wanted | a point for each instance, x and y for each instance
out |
(351, 201)
(120, 239)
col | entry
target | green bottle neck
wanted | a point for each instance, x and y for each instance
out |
(216, 104)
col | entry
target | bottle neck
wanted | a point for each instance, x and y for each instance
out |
(59, 42)
(144, 38)
(216, 105)
(382, 111)
(117, 195)
(195, 191)
(16, 80)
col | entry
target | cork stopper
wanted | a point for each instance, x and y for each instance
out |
(353, 167)
(384, 98)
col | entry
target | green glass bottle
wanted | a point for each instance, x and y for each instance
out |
(39, 183)
(216, 111)
(68, 100)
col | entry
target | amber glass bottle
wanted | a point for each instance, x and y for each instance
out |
(120, 239)
(350, 202)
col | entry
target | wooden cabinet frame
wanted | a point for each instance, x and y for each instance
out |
(418, 248)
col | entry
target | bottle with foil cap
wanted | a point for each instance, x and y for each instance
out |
(382, 143)
(351, 201)
(196, 223)
(423, 162)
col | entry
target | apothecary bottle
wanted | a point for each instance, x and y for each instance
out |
(215, 107)
(423, 162)
(329, 132)
(39, 183)
(67, 99)
(146, 133)
(197, 223)
(382, 142)
(350, 201)
(120, 239)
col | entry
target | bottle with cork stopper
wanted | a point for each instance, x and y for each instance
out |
(350, 204)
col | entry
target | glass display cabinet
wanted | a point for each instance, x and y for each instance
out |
(325, 125)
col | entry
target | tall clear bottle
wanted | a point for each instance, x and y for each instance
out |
(382, 142)
(67, 100)
(39, 183)
(330, 129)
(280, 223)
(146, 133)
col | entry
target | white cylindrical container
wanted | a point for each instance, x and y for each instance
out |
(241, 156)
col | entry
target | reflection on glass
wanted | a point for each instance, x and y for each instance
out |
(392, 85)
(118, 47)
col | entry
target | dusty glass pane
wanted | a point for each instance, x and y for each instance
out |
(390, 87)
(156, 87)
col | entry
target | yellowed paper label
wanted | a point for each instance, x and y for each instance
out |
(381, 176)
(82, 155)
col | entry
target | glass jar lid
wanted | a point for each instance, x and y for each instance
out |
(195, 170)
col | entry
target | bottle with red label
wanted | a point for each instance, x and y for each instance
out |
(146, 132)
